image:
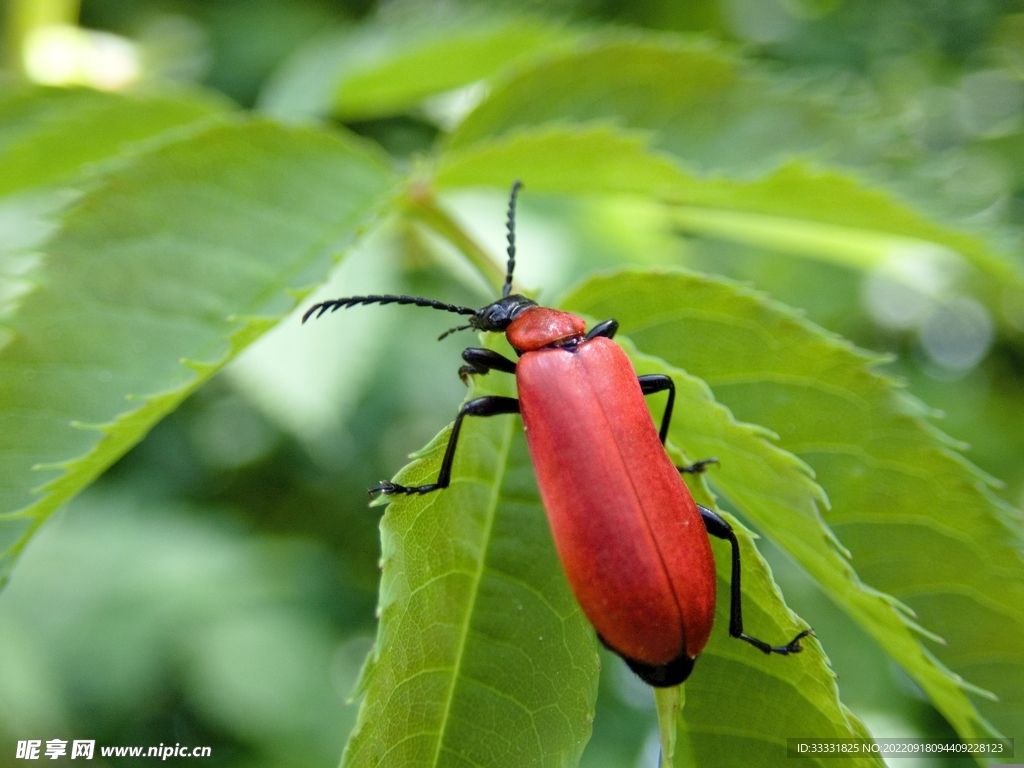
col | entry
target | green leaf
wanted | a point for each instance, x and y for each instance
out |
(47, 135)
(916, 516)
(53, 139)
(711, 109)
(579, 160)
(472, 583)
(483, 656)
(439, 59)
(387, 67)
(157, 277)
(162, 594)
(735, 132)
(796, 209)
(644, 81)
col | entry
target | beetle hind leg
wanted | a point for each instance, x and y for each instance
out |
(783, 650)
(719, 527)
(389, 488)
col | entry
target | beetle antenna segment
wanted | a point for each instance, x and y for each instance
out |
(516, 186)
(453, 330)
(351, 301)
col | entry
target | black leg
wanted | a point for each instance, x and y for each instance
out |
(606, 329)
(481, 361)
(659, 382)
(698, 466)
(493, 405)
(720, 529)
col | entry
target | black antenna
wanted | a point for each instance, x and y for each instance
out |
(450, 331)
(335, 304)
(511, 238)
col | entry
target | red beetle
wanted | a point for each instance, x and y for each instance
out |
(630, 536)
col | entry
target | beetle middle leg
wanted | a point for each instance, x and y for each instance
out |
(698, 466)
(659, 382)
(718, 527)
(493, 405)
(481, 361)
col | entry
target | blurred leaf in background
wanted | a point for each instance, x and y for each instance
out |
(178, 176)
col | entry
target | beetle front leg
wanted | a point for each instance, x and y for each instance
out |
(480, 361)
(718, 527)
(493, 405)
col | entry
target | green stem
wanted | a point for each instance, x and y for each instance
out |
(669, 702)
(424, 208)
(849, 246)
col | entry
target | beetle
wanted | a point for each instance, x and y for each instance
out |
(632, 540)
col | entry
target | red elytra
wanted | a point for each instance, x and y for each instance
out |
(633, 542)
(627, 530)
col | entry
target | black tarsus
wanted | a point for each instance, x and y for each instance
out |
(718, 527)
(516, 186)
(481, 361)
(493, 405)
(659, 382)
(350, 301)
(698, 466)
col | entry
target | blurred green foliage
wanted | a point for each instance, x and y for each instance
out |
(217, 584)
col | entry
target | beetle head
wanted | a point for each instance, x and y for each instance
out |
(498, 316)
(495, 317)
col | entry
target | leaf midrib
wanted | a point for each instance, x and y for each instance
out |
(492, 507)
